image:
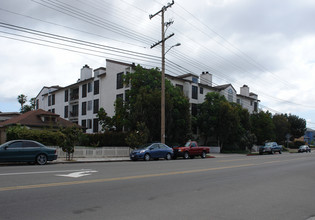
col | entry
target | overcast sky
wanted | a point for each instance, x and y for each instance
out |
(268, 45)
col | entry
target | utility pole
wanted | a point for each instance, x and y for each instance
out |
(164, 8)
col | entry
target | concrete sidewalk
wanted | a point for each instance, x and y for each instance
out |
(121, 159)
(90, 160)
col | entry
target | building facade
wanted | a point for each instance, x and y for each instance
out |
(80, 102)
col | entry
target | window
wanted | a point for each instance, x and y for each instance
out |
(74, 94)
(17, 144)
(49, 100)
(53, 110)
(180, 87)
(75, 111)
(119, 82)
(84, 89)
(83, 108)
(89, 123)
(195, 80)
(201, 90)
(251, 103)
(30, 144)
(66, 95)
(83, 123)
(53, 99)
(90, 87)
(194, 94)
(95, 125)
(120, 96)
(37, 103)
(66, 112)
(89, 107)
(95, 106)
(230, 95)
(96, 87)
(194, 109)
(255, 106)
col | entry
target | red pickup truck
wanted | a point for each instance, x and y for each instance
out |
(190, 150)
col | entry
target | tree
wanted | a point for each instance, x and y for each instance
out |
(22, 100)
(262, 126)
(144, 105)
(207, 116)
(282, 127)
(139, 136)
(71, 138)
(248, 140)
(218, 118)
(297, 126)
(104, 120)
(227, 124)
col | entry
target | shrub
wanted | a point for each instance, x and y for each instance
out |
(46, 137)
(104, 139)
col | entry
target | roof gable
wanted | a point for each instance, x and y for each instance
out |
(37, 118)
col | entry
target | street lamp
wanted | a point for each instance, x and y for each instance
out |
(176, 45)
(163, 89)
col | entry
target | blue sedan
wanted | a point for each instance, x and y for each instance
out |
(26, 151)
(155, 151)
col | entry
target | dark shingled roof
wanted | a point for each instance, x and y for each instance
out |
(33, 119)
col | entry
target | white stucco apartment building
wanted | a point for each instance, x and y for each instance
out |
(80, 102)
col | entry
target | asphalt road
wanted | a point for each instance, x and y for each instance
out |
(229, 187)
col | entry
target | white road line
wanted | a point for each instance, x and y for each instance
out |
(78, 174)
(43, 172)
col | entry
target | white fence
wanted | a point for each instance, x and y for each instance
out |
(101, 152)
(82, 152)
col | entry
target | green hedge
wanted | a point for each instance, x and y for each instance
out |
(104, 139)
(55, 138)
(46, 137)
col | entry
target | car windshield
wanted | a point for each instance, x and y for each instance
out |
(144, 146)
(187, 144)
(268, 144)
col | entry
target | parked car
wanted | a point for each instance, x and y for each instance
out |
(270, 147)
(190, 150)
(153, 150)
(304, 148)
(26, 151)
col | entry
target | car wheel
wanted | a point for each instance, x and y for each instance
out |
(168, 156)
(271, 152)
(203, 155)
(186, 155)
(280, 152)
(260, 153)
(41, 159)
(147, 157)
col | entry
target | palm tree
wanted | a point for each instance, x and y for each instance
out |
(22, 100)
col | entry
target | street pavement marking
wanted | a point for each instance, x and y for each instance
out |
(10, 188)
(43, 172)
(78, 174)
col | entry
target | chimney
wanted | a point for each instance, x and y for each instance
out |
(245, 90)
(206, 78)
(86, 72)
